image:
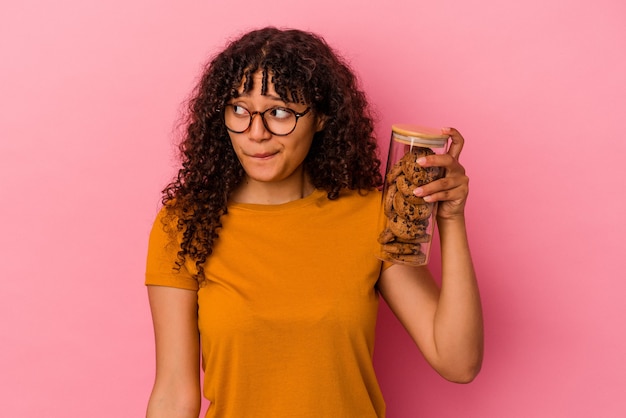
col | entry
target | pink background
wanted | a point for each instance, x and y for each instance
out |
(89, 95)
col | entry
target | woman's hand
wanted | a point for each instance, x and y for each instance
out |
(451, 190)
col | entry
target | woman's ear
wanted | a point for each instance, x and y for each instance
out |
(320, 121)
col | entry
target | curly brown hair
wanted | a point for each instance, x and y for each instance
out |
(343, 154)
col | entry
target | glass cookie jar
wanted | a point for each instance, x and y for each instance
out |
(407, 222)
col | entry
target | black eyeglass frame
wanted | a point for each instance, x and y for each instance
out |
(298, 115)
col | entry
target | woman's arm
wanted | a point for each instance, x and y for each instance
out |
(176, 391)
(445, 323)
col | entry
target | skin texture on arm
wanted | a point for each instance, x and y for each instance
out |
(446, 324)
(176, 391)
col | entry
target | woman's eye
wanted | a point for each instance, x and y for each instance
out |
(280, 113)
(239, 110)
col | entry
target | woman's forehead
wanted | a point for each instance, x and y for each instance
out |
(257, 80)
(262, 81)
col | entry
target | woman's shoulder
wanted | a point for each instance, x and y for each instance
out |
(164, 266)
(166, 229)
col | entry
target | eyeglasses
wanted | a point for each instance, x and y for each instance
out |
(279, 121)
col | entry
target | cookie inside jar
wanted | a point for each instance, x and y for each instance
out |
(407, 221)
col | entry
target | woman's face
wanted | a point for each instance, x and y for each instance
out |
(266, 157)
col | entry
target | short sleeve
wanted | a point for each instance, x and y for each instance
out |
(163, 247)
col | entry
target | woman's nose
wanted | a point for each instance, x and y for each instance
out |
(258, 131)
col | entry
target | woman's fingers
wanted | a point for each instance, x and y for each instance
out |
(446, 188)
(451, 190)
(447, 161)
(453, 186)
(457, 141)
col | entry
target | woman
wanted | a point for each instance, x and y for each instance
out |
(263, 252)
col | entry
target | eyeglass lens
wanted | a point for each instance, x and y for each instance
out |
(277, 120)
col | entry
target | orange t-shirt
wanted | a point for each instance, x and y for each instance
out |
(288, 310)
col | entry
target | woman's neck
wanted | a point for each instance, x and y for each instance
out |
(273, 193)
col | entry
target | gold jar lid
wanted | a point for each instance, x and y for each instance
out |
(419, 135)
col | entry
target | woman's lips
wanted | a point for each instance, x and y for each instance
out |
(263, 156)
